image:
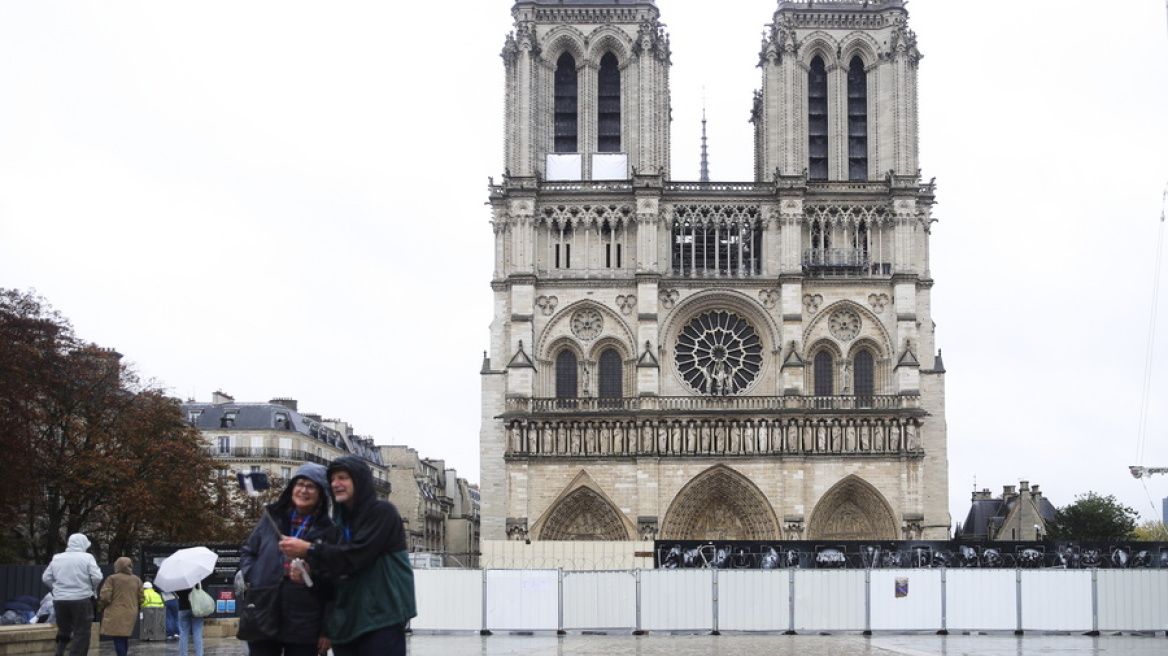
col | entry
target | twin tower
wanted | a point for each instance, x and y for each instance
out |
(750, 360)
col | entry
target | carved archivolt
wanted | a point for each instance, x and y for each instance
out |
(584, 513)
(852, 510)
(720, 504)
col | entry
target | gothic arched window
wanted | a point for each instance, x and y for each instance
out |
(611, 380)
(864, 374)
(566, 104)
(566, 372)
(857, 120)
(817, 120)
(824, 385)
(608, 118)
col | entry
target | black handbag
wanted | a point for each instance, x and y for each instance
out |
(259, 614)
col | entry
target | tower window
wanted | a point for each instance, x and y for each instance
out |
(857, 120)
(823, 379)
(566, 104)
(817, 120)
(566, 385)
(608, 119)
(611, 384)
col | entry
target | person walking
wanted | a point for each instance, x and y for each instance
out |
(302, 512)
(119, 600)
(171, 603)
(73, 576)
(190, 626)
(368, 556)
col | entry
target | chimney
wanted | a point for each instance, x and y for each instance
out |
(287, 403)
(1007, 492)
(220, 397)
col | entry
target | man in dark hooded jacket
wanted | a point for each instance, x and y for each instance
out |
(368, 558)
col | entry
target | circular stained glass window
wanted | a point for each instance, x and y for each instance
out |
(718, 353)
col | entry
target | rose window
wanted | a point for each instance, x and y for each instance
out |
(718, 353)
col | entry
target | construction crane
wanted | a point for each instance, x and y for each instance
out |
(1140, 472)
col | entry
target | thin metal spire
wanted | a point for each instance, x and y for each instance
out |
(705, 174)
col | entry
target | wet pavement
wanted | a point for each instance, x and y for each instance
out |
(424, 644)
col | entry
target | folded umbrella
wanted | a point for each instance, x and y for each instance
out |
(184, 569)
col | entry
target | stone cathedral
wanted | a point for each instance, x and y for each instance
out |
(693, 360)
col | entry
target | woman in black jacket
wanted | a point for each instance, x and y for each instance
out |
(301, 511)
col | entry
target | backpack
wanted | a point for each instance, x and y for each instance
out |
(202, 604)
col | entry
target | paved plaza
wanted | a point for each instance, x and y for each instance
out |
(730, 645)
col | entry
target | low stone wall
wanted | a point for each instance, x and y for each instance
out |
(39, 638)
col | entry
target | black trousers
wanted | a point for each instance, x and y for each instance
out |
(74, 622)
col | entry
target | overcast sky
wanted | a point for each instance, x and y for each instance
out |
(286, 199)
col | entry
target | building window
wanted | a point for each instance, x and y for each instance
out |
(562, 255)
(817, 120)
(608, 119)
(857, 120)
(865, 374)
(824, 385)
(224, 445)
(705, 243)
(718, 353)
(286, 473)
(566, 104)
(566, 373)
(611, 378)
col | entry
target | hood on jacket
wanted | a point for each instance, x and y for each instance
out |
(315, 473)
(77, 542)
(123, 565)
(363, 493)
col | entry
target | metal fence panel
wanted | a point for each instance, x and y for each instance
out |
(905, 600)
(523, 600)
(1056, 600)
(981, 600)
(758, 600)
(600, 600)
(448, 600)
(830, 600)
(677, 600)
(1132, 600)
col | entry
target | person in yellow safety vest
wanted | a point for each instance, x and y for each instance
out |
(150, 596)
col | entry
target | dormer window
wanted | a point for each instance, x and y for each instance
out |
(228, 419)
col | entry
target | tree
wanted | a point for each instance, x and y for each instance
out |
(98, 452)
(1093, 517)
(1152, 531)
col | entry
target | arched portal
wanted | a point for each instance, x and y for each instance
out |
(720, 504)
(852, 510)
(583, 514)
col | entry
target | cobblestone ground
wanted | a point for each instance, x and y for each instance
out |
(729, 645)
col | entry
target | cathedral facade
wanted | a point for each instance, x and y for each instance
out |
(712, 360)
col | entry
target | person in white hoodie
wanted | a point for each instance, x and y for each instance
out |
(75, 579)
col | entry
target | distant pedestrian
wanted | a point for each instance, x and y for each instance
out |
(171, 603)
(190, 626)
(74, 576)
(121, 596)
(368, 555)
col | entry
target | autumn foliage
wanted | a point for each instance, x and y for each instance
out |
(92, 450)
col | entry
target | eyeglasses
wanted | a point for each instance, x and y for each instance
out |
(305, 485)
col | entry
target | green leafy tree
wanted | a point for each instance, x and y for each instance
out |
(1093, 517)
(1152, 531)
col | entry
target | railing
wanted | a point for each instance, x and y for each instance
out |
(709, 404)
(265, 453)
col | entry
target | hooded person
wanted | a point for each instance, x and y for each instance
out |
(299, 611)
(74, 578)
(120, 597)
(368, 557)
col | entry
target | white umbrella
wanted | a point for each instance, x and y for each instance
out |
(185, 568)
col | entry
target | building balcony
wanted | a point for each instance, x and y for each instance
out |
(839, 262)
